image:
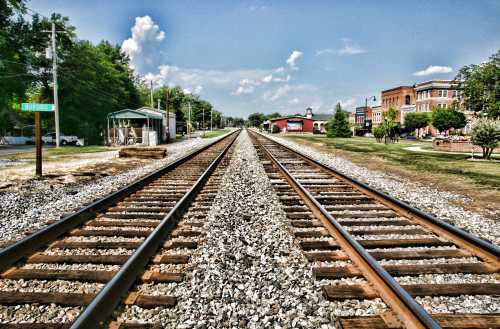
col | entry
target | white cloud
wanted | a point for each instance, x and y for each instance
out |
(275, 95)
(280, 69)
(142, 47)
(293, 101)
(349, 48)
(433, 69)
(294, 56)
(347, 104)
(285, 79)
(267, 78)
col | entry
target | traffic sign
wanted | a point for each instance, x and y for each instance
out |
(35, 107)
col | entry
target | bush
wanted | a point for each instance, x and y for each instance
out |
(486, 133)
(275, 129)
(378, 133)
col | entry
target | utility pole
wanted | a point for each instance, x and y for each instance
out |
(151, 91)
(159, 102)
(189, 119)
(54, 76)
(167, 101)
(211, 112)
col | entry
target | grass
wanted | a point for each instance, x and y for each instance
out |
(215, 133)
(59, 152)
(454, 168)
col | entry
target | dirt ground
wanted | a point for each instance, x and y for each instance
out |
(68, 169)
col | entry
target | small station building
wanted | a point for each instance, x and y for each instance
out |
(301, 123)
(145, 126)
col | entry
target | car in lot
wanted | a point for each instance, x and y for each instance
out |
(50, 138)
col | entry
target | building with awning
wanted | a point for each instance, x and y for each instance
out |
(147, 126)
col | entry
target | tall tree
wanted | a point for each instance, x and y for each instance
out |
(256, 119)
(338, 126)
(416, 120)
(446, 118)
(480, 86)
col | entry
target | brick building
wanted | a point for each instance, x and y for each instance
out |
(435, 93)
(363, 117)
(396, 98)
(377, 116)
(301, 123)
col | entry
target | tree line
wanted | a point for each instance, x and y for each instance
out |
(93, 80)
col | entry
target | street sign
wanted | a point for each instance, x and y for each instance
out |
(35, 107)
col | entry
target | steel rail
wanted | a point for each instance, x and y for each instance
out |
(415, 316)
(17, 251)
(471, 239)
(111, 294)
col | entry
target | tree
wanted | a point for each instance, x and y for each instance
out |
(480, 88)
(390, 126)
(486, 133)
(446, 118)
(273, 115)
(338, 126)
(379, 133)
(256, 119)
(416, 120)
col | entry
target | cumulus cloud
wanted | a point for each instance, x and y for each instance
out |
(347, 104)
(277, 94)
(267, 78)
(142, 47)
(349, 48)
(433, 69)
(293, 101)
(294, 56)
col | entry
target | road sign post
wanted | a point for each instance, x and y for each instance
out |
(38, 141)
(37, 108)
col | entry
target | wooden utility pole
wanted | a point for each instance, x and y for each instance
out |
(38, 141)
(167, 106)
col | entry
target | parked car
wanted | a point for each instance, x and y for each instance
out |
(50, 138)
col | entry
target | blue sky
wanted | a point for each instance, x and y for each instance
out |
(267, 56)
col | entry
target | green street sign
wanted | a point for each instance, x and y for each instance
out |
(34, 107)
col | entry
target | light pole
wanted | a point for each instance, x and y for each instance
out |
(366, 107)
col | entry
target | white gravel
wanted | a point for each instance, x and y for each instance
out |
(37, 202)
(427, 198)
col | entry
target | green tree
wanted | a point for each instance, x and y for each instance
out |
(446, 118)
(256, 119)
(338, 126)
(480, 87)
(390, 126)
(379, 133)
(486, 133)
(273, 115)
(416, 120)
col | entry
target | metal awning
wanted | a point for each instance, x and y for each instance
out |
(142, 113)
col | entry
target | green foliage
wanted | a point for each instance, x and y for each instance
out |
(275, 129)
(486, 133)
(446, 118)
(379, 133)
(256, 119)
(417, 120)
(338, 126)
(273, 115)
(390, 127)
(480, 86)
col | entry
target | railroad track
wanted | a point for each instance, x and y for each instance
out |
(349, 230)
(100, 255)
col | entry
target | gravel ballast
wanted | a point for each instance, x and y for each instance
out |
(249, 273)
(38, 201)
(427, 198)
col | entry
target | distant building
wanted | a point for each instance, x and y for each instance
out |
(364, 117)
(302, 123)
(435, 93)
(405, 109)
(377, 116)
(397, 97)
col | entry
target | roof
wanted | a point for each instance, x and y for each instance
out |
(396, 88)
(321, 117)
(290, 117)
(141, 113)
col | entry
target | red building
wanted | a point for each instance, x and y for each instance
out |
(294, 123)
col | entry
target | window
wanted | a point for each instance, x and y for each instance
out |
(442, 93)
(407, 99)
(456, 93)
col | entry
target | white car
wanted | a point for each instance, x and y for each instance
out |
(50, 138)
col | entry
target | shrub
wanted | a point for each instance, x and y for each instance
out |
(378, 133)
(486, 133)
(275, 129)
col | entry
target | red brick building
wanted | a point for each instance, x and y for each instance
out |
(294, 123)
(397, 97)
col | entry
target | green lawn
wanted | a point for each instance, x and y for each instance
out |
(485, 174)
(216, 133)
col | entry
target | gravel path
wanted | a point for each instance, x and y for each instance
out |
(37, 202)
(439, 203)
